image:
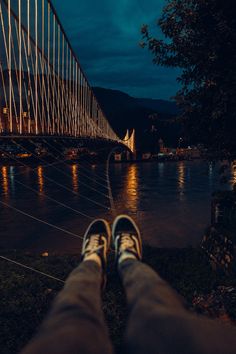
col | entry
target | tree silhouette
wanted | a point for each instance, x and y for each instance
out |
(200, 39)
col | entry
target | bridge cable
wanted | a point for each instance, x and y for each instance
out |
(72, 234)
(19, 264)
(80, 162)
(66, 164)
(70, 190)
(59, 170)
(103, 178)
(48, 197)
(33, 168)
(53, 199)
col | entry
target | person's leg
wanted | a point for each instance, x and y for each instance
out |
(76, 322)
(158, 321)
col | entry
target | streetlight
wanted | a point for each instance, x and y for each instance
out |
(180, 142)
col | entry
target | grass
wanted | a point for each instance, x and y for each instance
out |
(26, 297)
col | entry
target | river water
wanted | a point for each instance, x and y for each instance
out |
(169, 200)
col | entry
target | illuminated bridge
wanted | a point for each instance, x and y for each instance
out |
(43, 90)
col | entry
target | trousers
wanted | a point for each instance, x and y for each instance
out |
(158, 322)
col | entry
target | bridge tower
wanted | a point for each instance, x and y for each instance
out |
(130, 143)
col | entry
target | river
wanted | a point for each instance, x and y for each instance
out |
(170, 201)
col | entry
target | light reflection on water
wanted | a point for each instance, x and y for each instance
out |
(74, 171)
(40, 180)
(5, 180)
(170, 201)
(131, 187)
(181, 178)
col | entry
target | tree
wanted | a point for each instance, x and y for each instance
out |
(200, 38)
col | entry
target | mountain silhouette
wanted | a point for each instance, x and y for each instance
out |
(126, 112)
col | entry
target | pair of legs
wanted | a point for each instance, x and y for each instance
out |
(158, 321)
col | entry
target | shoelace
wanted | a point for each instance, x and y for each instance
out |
(93, 245)
(126, 242)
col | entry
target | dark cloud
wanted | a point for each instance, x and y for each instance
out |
(106, 34)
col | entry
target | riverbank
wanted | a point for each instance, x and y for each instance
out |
(26, 296)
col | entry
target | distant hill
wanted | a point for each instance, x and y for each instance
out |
(161, 106)
(124, 111)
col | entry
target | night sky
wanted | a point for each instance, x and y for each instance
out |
(105, 35)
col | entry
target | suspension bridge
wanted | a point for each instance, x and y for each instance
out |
(46, 100)
(43, 89)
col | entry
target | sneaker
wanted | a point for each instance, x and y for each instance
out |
(126, 238)
(96, 243)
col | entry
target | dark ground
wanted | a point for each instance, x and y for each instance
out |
(26, 296)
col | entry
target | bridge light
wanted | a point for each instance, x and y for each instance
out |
(5, 110)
